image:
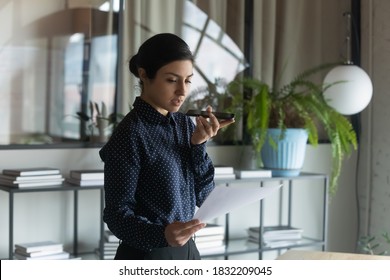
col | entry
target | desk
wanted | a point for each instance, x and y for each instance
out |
(65, 187)
(317, 255)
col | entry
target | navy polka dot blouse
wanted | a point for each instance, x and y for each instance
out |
(153, 176)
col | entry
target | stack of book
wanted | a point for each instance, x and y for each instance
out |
(91, 177)
(110, 245)
(45, 250)
(222, 172)
(210, 239)
(276, 236)
(253, 173)
(31, 177)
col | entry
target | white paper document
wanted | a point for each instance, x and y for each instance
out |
(224, 199)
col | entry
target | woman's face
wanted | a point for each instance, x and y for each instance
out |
(170, 87)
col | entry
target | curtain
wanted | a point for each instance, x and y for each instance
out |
(292, 36)
(142, 19)
(289, 36)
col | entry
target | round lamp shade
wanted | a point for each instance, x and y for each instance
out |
(349, 89)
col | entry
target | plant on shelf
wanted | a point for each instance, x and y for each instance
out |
(100, 119)
(298, 104)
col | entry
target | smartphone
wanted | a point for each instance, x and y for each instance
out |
(218, 115)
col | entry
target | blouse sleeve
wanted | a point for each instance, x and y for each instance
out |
(203, 173)
(121, 171)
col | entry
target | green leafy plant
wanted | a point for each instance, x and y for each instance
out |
(297, 104)
(99, 118)
(372, 245)
(214, 94)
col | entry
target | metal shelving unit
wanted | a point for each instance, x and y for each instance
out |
(233, 247)
(241, 246)
(12, 191)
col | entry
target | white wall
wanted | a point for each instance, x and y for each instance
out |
(41, 216)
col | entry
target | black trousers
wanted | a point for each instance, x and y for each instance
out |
(186, 252)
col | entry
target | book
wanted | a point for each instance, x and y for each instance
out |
(31, 171)
(277, 243)
(106, 255)
(29, 178)
(85, 183)
(281, 229)
(59, 256)
(110, 237)
(225, 176)
(110, 251)
(276, 229)
(38, 246)
(210, 229)
(28, 184)
(16, 182)
(45, 252)
(93, 174)
(110, 245)
(71, 258)
(222, 169)
(212, 250)
(273, 233)
(209, 244)
(208, 238)
(253, 173)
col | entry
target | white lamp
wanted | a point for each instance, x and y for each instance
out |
(348, 87)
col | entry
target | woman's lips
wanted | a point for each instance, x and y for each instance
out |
(177, 102)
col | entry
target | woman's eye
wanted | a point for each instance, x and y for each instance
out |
(188, 81)
(171, 80)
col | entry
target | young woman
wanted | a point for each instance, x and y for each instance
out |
(155, 164)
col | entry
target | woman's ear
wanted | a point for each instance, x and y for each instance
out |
(142, 74)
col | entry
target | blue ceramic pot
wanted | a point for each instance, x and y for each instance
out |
(287, 159)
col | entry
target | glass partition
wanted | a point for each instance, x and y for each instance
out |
(58, 58)
(64, 76)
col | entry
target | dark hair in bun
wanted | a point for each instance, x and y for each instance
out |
(158, 51)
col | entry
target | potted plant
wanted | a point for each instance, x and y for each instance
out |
(100, 119)
(299, 104)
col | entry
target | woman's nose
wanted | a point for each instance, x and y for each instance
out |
(181, 88)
